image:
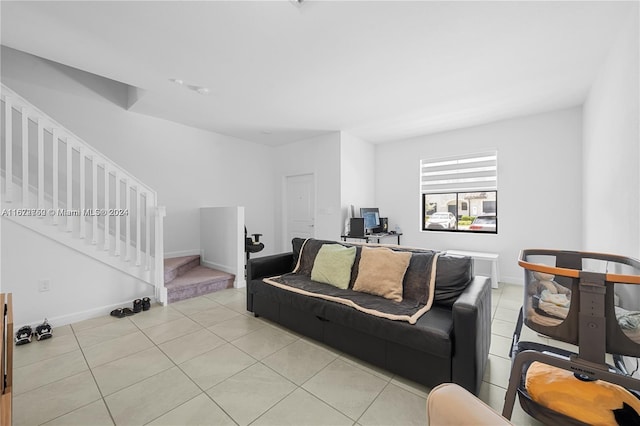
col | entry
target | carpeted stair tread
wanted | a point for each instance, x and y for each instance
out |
(196, 282)
(185, 278)
(176, 266)
(176, 262)
(199, 274)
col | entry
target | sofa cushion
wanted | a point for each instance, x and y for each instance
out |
(374, 306)
(431, 332)
(453, 275)
(333, 265)
(417, 283)
(381, 272)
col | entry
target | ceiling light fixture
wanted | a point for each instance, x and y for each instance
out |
(198, 89)
(201, 90)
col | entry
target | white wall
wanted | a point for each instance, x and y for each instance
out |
(611, 167)
(188, 167)
(321, 157)
(80, 287)
(222, 240)
(357, 171)
(539, 185)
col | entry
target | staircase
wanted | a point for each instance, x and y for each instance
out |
(184, 278)
(57, 185)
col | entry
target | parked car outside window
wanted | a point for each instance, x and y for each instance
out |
(445, 220)
(485, 223)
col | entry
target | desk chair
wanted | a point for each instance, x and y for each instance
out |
(252, 245)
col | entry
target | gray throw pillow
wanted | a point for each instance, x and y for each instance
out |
(453, 275)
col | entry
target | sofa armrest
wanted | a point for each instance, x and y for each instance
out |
(472, 334)
(266, 266)
(269, 266)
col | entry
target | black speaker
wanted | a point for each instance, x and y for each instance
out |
(356, 227)
(384, 225)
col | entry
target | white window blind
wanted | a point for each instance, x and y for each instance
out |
(462, 173)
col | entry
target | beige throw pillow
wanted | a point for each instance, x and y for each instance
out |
(381, 271)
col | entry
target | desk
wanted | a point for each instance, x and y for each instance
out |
(376, 237)
(489, 257)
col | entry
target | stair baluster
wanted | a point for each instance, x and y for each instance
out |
(25, 158)
(138, 217)
(54, 146)
(94, 201)
(69, 184)
(40, 163)
(106, 246)
(8, 137)
(116, 250)
(83, 223)
(128, 219)
(147, 233)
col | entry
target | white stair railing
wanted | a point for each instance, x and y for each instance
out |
(72, 184)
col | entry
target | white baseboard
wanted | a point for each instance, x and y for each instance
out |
(239, 281)
(218, 266)
(512, 280)
(192, 252)
(75, 317)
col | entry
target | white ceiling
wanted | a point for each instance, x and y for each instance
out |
(279, 72)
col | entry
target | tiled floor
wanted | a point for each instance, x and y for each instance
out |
(206, 361)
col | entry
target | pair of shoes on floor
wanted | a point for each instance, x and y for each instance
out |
(143, 304)
(121, 312)
(139, 305)
(42, 332)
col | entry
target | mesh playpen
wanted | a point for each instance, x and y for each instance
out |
(585, 299)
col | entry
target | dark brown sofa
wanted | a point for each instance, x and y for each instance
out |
(448, 343)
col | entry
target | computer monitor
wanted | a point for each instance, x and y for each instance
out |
(371, 217)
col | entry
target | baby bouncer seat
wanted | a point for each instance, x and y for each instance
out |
(571, 297)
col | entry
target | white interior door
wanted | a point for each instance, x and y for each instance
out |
(300, 207)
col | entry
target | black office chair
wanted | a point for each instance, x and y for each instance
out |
(252, 245)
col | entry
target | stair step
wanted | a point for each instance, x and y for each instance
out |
(196, 282)
(177, 266)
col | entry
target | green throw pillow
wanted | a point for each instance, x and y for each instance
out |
(333, 265)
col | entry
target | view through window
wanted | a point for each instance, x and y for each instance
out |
(460, 193)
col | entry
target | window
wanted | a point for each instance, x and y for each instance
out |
(460, 193)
